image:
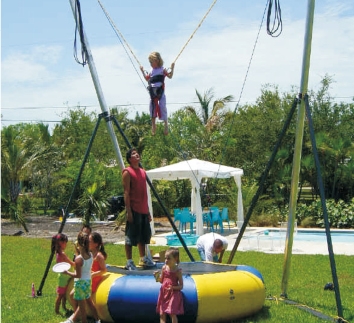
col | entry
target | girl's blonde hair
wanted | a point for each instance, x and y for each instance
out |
(155, 56)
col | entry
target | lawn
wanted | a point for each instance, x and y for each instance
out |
(23, 261)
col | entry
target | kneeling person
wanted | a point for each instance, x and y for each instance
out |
(211, 247)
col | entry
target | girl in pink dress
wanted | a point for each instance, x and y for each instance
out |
(170, 300)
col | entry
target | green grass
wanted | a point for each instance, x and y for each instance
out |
(24, 261)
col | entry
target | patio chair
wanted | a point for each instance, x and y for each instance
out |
(186, 217)
(176, 216)
(225, 216)
(216, 218)
(207, 219)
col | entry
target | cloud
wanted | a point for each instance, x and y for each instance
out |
(217, 56)
(32, 67)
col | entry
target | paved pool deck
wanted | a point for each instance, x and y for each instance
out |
(255, 240)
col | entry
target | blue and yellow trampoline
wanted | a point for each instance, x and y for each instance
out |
(212, 293)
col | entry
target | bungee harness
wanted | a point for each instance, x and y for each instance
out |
(156, 92)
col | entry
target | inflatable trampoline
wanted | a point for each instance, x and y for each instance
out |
(211, 293)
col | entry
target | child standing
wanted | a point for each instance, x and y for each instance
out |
(82, 281)
(99, 259)
(170, 300)
(156, 81)
(59, 242)
(86, 229)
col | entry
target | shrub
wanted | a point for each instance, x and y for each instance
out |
(308, 223)
(264, 220)
(340, 214)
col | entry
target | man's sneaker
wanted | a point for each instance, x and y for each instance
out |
(146, 262)
(98, 321)
(130, 265)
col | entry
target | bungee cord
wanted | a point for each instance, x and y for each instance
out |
(122, 39)
(277, 18)
(79, 29)
(277, 26)
(190, 38)
(243, 84)
(123, 42)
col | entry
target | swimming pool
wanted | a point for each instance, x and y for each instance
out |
(346, 236)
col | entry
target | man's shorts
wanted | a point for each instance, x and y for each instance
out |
(139, 231)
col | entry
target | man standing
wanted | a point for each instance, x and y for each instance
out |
(211, 247)
(137, 230)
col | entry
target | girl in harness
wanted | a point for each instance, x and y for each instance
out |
(156, 81)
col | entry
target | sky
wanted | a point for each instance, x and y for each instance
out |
(40, 79)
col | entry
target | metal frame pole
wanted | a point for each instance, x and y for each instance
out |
(298, 147)
(99, 92)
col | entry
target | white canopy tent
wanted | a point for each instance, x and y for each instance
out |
(195, 170)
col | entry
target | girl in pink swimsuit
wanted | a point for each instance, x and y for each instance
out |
(99, 260)
(59, 242)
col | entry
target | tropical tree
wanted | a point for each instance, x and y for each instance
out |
(92, 202)
(41, 173)
(209, 116)
(15, 160)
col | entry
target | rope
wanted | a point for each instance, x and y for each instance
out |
(308, 309)
(79, 28)
(277, 22)
(244, 83)
(121, 37)
(185, 45)
(116, 29)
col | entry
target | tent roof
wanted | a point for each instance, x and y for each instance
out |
(193, 168)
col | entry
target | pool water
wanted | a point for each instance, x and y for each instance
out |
(308, 235)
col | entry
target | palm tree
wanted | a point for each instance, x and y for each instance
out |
(15, 159)
(92, 202)
(209, 117)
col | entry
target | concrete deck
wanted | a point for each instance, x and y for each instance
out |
(253, 240)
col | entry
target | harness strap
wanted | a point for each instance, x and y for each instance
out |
(157, 79)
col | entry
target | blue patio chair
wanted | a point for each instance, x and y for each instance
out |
(225, 216)
(193, 217)
(216, 218)
(207, 219)
(186, 217)
(177, 216)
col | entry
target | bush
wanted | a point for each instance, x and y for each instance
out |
(308, 223)
(340, 214)
(264, 220)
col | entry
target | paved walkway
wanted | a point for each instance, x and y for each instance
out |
(254, 239)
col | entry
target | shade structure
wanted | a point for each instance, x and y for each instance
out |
(195, 170)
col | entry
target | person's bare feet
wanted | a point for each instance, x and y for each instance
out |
(153, 129)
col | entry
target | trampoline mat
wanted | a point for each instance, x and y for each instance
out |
(188, 268)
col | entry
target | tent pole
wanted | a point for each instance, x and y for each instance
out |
(298, 147)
